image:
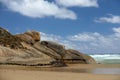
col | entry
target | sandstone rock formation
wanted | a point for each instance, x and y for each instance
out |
(59, 49)
(27, 49)
(78, 57)
(8, 40)
(29, 37)
(17, 49)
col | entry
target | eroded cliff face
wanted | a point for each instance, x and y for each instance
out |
(27, 49)
(19, 49)
(8, 40)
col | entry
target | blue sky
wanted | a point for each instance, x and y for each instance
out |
(90, 26)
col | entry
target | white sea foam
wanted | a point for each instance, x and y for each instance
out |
(107, 58)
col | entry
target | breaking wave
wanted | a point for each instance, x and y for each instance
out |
(107, 58)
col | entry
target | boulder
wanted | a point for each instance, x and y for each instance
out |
(70, 55)
(78, 57)
(29, 37)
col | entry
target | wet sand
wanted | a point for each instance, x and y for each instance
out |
(72, 72)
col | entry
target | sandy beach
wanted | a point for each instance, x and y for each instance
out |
(72, 72)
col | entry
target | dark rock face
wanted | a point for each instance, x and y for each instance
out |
(58, 64)
(8, 40)
(60, 49)
(79, 57)
(26, 49)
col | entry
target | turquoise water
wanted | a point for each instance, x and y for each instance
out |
(107, 58)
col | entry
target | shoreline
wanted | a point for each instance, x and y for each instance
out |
(43, 75)
(72, 72)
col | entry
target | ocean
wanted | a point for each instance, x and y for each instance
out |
(107, 58)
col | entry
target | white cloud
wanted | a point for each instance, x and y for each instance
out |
(38, 9)
(50, 37)
(96, 42)
(89, 42)
(44, 8)
(78, 3)
(84, 37)
(110, 19)
(117, 32)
